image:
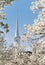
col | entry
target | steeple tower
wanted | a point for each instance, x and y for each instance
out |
(17, 37)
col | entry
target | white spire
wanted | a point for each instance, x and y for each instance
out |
(17, 31)
(17, 37)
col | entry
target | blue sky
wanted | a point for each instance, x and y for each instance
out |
(25, 16)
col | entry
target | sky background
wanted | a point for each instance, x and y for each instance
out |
(25, 16)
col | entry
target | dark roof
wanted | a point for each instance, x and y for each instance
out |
(28, 52)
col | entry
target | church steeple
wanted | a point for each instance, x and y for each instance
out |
(17, 31)
(17, 37)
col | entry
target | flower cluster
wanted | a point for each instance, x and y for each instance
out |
(38, 27)
(39, 4)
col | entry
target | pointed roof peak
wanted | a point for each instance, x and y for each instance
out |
(17, 30)
(17, 37)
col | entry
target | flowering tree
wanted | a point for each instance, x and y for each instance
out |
(4, 3)
(3, 29)
(36, 33)
(16, 56)
(37, 30)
